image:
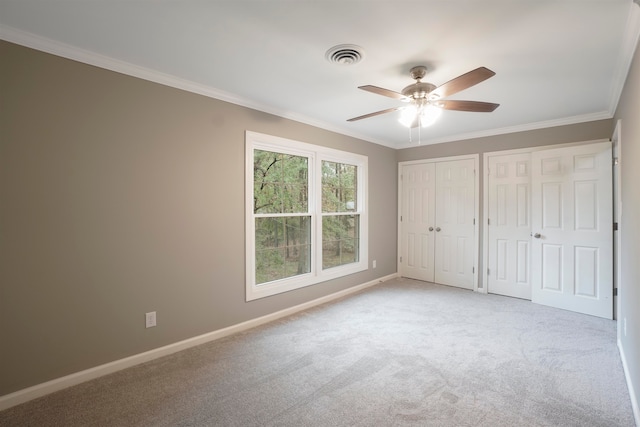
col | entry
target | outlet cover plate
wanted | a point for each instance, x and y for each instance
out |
(150, 319)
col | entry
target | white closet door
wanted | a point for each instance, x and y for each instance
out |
(418, 212)
(455, 229)
(509, 228)
(572, 263)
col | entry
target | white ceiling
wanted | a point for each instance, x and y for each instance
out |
(556, 61)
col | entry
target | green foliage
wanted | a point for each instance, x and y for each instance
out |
(340, 233)
(283, 243)
(280, 183)
(283, 247)
(340, 240)
(339, 187)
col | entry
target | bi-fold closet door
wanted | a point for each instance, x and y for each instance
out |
(437, 222)
(549, 227)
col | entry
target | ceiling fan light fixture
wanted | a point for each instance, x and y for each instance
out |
(408, 115)
(426, 99)
(429, 115)
(426, 115)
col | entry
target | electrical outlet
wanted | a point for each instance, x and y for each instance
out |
(150, 319)
(374, 263)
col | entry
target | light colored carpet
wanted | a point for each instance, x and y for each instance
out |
(403, 353)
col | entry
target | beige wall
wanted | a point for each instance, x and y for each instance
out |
(600, 129)
(628, 112)
(120, 196)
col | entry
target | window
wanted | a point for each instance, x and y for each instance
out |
(306, 216)
(340, 226)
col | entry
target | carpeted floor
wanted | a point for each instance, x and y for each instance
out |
(403, 353)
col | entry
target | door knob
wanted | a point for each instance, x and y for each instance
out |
(537, 235)
(430, 228)
(438, 228)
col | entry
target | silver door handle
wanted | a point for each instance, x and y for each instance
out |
(537, 235)
(438, 228)
(430, 228)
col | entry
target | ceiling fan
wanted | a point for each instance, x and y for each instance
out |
(426, 100)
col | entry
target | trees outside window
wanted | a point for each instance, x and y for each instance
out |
(340, 226)
(306, 221)
(282, 220)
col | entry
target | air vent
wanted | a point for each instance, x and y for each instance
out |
(345, 54)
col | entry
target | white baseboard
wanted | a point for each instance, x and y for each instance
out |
(39, 390)
(632, 394)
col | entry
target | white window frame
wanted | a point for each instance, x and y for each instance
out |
(316, 155)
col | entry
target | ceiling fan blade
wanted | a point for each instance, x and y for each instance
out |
(377, 113)
(384, 92)
(474, 106)
(463, 82)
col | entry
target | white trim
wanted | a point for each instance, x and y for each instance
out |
(476, 159)
(315, 155)
(584, 118)
(616, 150)
(635, 407)
(39, 390)
(64, 50)
(629, 44)
(476, 228)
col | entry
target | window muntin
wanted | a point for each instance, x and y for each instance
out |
(306, 221)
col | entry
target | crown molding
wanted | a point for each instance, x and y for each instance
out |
(102, 61)
(627, 50)
(64, 50)
(91, 58)
(584, 118)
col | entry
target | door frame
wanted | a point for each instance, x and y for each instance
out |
(616, 147)
(476, 208)
(485, 195)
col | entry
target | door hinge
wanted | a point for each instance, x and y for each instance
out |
(487, 271)
(400, 259)
(615, 226)
(615, 161)
(488, 221)
(474, 221)
(473, 270)
(615, 292)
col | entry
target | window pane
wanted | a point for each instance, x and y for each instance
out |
(340, 240)
(280, 183)
(294, 198)
(339, 187)
(294, 169)
(283, 247)
(267, 166)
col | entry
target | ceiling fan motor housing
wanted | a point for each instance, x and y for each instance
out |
(418, 90)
